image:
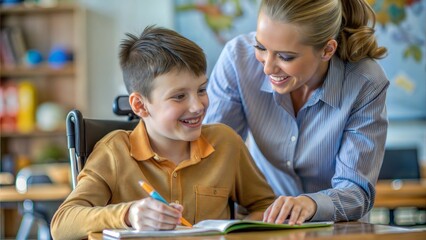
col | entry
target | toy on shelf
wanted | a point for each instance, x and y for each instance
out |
(50, 116)
(33, 58)
(26, 107)
(59, 56)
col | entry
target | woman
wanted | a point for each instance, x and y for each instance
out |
(307, 88)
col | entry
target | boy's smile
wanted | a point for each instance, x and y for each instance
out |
(193, 122)
(176, 108)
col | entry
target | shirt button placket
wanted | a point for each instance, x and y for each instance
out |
(293, 140)
(175, 188)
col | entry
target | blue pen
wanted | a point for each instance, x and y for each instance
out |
(154, 194)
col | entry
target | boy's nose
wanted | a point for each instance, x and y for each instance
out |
(196, 105)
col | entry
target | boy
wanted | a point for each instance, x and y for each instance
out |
(197, 168)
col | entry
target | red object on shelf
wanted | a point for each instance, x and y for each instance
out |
(10, 106)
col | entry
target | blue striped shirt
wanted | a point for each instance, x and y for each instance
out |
(332, 151)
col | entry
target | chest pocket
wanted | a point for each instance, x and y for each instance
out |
(211, 203)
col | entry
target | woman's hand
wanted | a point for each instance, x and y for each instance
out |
(296, 209)
(150, 214)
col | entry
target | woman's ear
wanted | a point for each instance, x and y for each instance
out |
(329, 50)
(138, 104)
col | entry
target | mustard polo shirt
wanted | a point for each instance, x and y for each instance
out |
(220, 167)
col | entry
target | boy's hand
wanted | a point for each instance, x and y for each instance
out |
(150, 214)
(297, 209)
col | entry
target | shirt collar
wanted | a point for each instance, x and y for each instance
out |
(332, 86)
(266, 85)
(140, 147)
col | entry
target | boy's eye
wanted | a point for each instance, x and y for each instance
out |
(179, 96)
(285, 57)
(202, 91)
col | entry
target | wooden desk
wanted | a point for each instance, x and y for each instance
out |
(41, 192)
(391, 194)
(341, 231)
(10, 199)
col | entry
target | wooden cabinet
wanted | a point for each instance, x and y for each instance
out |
(55, 81)
(57, 35)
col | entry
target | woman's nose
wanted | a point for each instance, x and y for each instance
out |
(269, 64)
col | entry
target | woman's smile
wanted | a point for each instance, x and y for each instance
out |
(278, 80)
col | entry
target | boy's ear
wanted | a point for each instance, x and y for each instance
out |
(138, 104)
(329, 50)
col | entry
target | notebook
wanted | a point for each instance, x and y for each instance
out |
(211, 227)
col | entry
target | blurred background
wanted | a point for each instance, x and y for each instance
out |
(58, 55)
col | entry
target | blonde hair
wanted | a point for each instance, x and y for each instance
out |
(350, 22)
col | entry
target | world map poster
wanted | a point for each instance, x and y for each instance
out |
(401, 28)
(211, 23)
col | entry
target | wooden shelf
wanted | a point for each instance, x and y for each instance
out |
(40, 192)
(42, 29)
(33, 134)
(407, 193)
(42, 70)
(35, 9)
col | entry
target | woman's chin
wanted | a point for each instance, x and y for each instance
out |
(280, 90)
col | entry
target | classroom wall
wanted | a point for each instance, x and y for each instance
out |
(408, 134)
(108, 20)
(107, 23)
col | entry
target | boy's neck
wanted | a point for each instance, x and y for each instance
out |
(176, 152)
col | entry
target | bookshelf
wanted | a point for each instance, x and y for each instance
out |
(59, 82)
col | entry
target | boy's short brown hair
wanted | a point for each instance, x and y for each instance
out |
(155, 52)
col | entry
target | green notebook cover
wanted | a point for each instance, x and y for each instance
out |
(239, 225)
(211, 227)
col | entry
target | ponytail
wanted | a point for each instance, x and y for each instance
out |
(356, 38)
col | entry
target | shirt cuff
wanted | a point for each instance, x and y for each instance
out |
(123, 215)
(325, 207)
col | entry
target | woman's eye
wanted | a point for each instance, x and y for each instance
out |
(285, 58)
(258, 47)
